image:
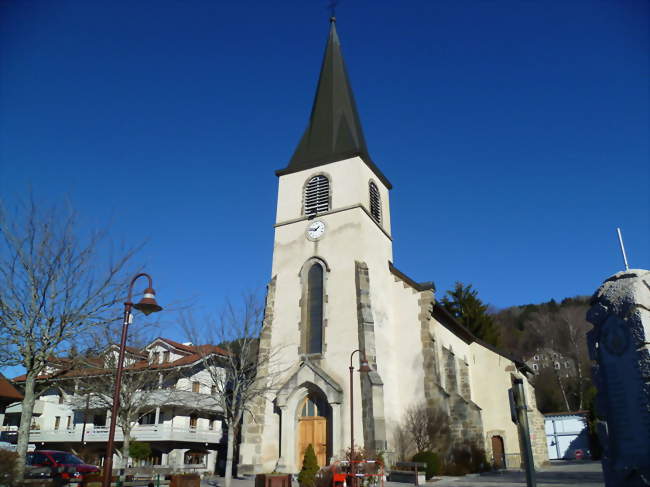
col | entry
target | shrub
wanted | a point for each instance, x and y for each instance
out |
(7, 465)
(139, 450)
(432, 461)
(309, 469)
(466, 457)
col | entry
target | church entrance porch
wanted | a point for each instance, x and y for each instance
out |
(309, 406)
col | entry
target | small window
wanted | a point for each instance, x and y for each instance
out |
(375, 202)
(566, 365)
(57, 422)
(69, 423)
(166, 357)
(317, 195)
(196, 387)
(194, 420)
(536, 358)
(211, 425)
(60, 398)
(155, 357)
(535, 367)
(556, 365)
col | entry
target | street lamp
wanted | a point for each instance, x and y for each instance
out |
(147, 305)
(365, 368)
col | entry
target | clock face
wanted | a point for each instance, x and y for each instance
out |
(315, 230)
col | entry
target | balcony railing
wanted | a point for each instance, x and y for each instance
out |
(148, 432)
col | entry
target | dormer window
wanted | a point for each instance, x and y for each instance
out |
(317, 195)
(166, 356)
(375, 202)
(155, 357)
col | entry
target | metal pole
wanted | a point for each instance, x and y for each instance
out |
(83, 431)
(352, 469)
(529, 462)
(108, 461)
(353, 476)
(620, 241)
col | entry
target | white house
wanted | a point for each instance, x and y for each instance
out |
(179, 419)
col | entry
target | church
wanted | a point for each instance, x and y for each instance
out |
(335, 288)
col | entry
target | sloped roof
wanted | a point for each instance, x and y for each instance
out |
(93, 366)
(8, 391)
(334, 131)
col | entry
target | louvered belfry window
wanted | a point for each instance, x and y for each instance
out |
(317, 195)
(375, 202)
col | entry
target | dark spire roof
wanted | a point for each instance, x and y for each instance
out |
(334, 132)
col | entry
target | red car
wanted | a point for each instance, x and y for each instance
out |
(61, 463)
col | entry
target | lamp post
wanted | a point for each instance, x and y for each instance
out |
(147, 305)
(364, 367)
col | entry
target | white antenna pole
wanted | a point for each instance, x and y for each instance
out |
(620, 241)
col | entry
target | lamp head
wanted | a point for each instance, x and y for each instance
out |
(148, 302)
(364, 367)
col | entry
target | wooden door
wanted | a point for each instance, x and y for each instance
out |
(498, 457)
(312, 430)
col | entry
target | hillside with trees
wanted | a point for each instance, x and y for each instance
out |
(550, 337)
(555, 332)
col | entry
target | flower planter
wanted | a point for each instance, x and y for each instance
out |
(272, 480)
(185, 480)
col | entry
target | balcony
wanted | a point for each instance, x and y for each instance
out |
(147, 433)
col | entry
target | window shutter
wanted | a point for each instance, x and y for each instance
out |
(317, 195)
(375, 203)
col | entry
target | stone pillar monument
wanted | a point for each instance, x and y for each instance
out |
(619, 344)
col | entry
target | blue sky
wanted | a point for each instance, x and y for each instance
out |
(515, 133)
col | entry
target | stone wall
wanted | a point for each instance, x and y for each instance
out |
(250, 449)
(372, 387)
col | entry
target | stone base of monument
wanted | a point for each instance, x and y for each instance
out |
(619, 346)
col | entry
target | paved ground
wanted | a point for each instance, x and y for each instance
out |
(564, 474)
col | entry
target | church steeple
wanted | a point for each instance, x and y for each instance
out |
(334, 132)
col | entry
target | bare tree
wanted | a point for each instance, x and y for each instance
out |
(573, 320)
(144, 387)
(427, 427)
(241, 371)
(53, 289)
(545, 325)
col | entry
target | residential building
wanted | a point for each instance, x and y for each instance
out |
(177, 414)
(547, 358)
(8, 395)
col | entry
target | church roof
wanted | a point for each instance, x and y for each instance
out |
(334, 132)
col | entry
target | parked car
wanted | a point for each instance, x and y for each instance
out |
(61, 465)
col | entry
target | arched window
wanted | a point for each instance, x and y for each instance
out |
(317, 195)
(309, 408)
(314, 328)
(375, 202)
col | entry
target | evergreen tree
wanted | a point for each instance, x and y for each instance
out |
(307, 475)
(463, 303)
